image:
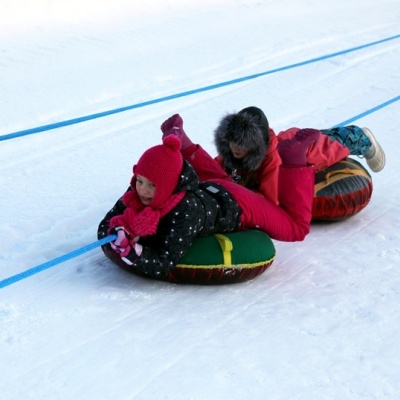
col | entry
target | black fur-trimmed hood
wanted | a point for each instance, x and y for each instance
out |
(248, 129)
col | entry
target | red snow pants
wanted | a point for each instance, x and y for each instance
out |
(290, 221)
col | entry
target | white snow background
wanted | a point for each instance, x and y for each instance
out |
(321, 323)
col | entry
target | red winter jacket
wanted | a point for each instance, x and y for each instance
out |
(322, 154)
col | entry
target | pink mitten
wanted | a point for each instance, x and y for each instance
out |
(121, 244)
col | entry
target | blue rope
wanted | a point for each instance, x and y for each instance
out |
(187, 93)
(52, 263)
(370, 111)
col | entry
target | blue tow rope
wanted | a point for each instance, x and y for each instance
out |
(52, 263)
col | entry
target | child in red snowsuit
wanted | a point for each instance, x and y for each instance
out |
(166, 206)
(247, 149)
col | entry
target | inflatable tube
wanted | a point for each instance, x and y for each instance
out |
(341, 191)
(217, 259)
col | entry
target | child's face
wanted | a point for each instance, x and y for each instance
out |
(238, 152)
(145, 189)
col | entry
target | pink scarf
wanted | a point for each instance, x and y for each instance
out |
(141, 220)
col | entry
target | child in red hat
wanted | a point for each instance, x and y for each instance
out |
(166, 206)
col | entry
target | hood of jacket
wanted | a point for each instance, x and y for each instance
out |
(247, 129)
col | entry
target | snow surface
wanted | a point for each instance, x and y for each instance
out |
(321, 323)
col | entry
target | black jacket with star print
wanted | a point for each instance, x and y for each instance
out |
(205, 209)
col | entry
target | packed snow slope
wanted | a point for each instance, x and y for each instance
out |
(321, 323)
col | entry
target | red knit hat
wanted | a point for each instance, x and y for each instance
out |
(162, 165)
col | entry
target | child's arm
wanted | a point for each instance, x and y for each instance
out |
(118, 209)
(175, 234)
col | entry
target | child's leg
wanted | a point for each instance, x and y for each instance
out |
(204, 165)
(291, 220)
(350, 136)
(360, 142)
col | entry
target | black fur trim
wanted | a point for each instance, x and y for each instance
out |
(246, 129)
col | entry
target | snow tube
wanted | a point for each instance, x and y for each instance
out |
(341, 191)
(217, 259)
